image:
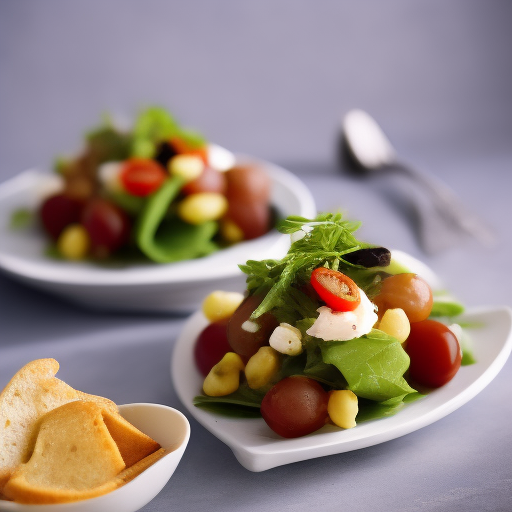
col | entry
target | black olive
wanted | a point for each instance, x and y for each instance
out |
(164, 153)
(369, 257)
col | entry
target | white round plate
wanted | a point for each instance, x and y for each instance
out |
(257, 448)
(170, 428)
(175, 287)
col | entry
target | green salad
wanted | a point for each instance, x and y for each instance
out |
(335, 332)
(157, 192)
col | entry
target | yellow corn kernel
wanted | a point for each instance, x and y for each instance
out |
(220, 305)
(342, 408)
(224, 377)
(188, 167)
(74, 242)
(201, 207)
(395, 323)
(262, 367)
(230, 232)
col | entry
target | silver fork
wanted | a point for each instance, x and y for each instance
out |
(443, 220)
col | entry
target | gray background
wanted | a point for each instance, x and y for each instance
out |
(273, 79)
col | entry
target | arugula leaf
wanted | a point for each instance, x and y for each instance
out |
(373, 366)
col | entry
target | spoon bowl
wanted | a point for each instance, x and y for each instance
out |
(165, 425)
(367, 143)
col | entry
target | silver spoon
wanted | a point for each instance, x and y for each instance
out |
(442, 218)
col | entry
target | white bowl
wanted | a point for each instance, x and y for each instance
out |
(152, 287)
(165, 425)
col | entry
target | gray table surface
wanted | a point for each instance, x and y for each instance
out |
(273, 78)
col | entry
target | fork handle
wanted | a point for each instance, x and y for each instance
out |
(447, 203)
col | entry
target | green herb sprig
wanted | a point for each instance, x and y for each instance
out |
(312, 248)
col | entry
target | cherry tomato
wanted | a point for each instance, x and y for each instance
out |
(253, 218)
(246, 339)
(248, 184)
(408, 292)
(434, 352)
(211, 346)
(210, 180)
(295, 406)
(141, 177)
(248, 194)
(58, 212)
(337, 290)
(107, 225)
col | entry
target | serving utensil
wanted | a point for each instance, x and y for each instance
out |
(443, 220)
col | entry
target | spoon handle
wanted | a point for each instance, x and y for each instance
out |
(448, 204)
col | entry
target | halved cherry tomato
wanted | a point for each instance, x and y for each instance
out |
(337, 290)
(141, 176)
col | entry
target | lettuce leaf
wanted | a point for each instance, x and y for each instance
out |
(151, 127)
(373, 365)
(164, 239)
(446, 306)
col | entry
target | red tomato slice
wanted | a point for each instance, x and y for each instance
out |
(141, 177)
(337, 290)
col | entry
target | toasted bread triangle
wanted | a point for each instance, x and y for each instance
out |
(73, 465)
(31, 393)
(133, 444)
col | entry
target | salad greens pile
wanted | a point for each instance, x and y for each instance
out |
(331, 239)
(373, 366)
(149, 192)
